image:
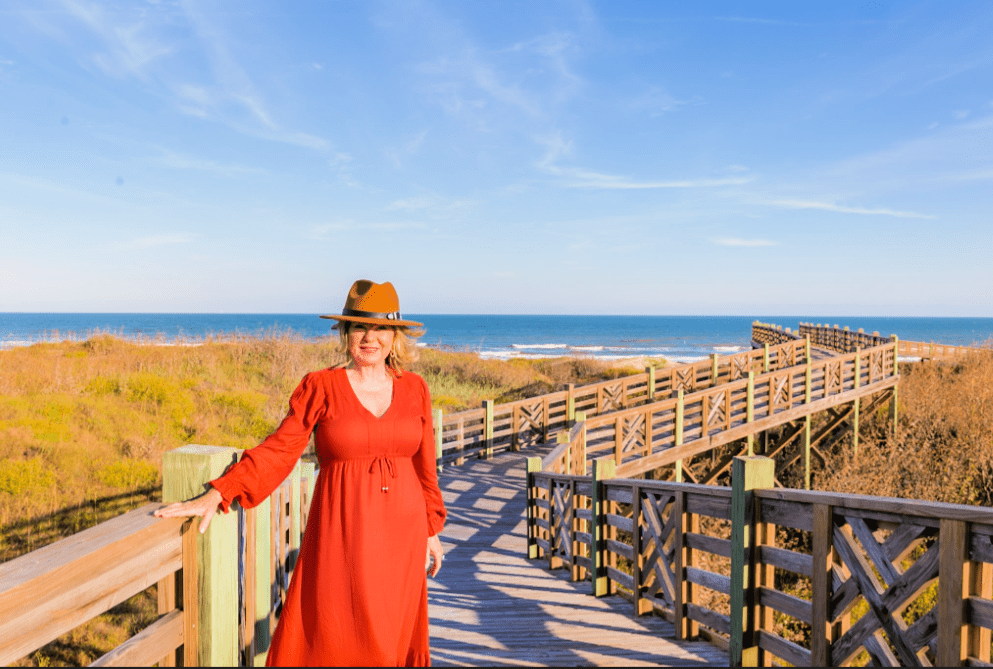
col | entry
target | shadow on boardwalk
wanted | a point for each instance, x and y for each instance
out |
(491, 606)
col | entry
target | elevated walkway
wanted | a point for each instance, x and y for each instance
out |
(491, 606)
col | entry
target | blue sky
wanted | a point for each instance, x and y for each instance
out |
(550, 157)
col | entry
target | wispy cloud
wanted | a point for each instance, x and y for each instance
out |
(574, 177)
(841, 209)
(130, 48)
(735, 241)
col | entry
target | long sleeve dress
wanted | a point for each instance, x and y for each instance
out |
(358, 595)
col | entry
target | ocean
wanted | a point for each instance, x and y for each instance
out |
(674, 338)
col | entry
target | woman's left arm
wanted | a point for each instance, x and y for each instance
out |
(426, 467)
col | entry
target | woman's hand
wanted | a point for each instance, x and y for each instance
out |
(204, 505)
(434, 551)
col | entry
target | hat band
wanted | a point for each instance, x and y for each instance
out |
(384, 315)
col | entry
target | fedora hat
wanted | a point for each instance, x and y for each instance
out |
(373, 303)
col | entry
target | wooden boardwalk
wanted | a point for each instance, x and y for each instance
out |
(491, 606)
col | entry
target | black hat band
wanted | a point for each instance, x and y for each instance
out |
(382, 315)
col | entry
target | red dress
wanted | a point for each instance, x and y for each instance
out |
(358, 595)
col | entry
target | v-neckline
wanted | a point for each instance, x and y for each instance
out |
(355, 396)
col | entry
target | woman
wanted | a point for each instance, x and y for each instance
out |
(359, 591)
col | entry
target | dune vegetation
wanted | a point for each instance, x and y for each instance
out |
(84, 424)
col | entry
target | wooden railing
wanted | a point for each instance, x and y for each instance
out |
(767, 333)
(845, 340)
(903, 581)
(51, 591)
(665, 432)
(515, 425)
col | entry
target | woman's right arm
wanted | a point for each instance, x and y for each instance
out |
(261, 469)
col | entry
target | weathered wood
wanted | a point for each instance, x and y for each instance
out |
(603, 470)
(708, 544)
(165, 591)
(50, 591)
(147, 646)
(951, 609)
(784, 603)
(798, 563)
(786, 514)
(712, 619)
(185, 473)
(708, 579)
(901, 510)
(747, 474)
(797, 656)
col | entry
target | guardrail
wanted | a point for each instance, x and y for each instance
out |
(51, 591)
(905, 581)
(515, 425)
(846, 340)
(664, 432)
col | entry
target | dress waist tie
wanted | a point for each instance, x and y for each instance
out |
(386, 468)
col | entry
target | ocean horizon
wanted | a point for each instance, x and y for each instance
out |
(674, 338)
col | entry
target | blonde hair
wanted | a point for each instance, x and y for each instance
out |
(403, 353)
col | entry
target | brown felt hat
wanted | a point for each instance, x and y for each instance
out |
(373, 303)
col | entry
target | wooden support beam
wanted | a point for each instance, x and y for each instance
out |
(747, 474)
(821, 586)
(603, 470)
(533, 465)
(488, 428)
(185, 473)
(952, 554)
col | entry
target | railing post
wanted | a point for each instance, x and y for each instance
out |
(953, 540)
(856, 404)
(263, 583)
(747, 474)
(750, 410)
(570, 405)
(821, 586)
(678, 437)
(439, 416)
(603, 470)
(533, 465)
(896, 371)
(650, 370)
(808, 380)
(980, 585)
(765, 358)
(806, 347)
(581, 455)
(714, 371)
(488, 429)
(185, 473)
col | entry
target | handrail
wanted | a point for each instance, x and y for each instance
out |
(845, 340)
(656, 434)
(515, 425)
(50, 591)
(644, 540)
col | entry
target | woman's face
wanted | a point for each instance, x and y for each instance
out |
(370, 344)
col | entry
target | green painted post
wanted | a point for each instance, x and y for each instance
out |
(747, 474)
(680, 409)
(750, 410)
(570, 404)
(488, 424)
(185, 473)
(806, 452)
(603, 469)
(533, 465)
(439, 428)
(765, 359)
(263, 587)
(713, 370)
(806, 347)
(651, 383)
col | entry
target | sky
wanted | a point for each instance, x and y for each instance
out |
(561, 157)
